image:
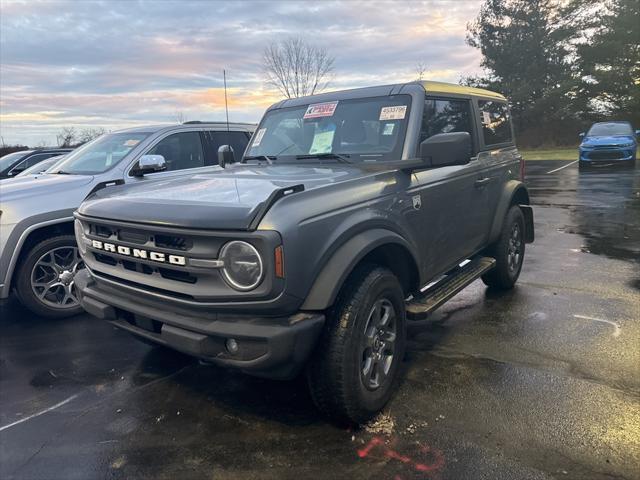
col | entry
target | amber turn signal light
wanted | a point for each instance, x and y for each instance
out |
(279, 261)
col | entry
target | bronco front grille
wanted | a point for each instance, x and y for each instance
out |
(172, 241)
(133, 266)
(181, 263)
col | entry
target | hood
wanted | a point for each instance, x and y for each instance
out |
(47, 184)
(601, 140)
(225, 199)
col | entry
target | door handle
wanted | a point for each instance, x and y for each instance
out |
(482, 182)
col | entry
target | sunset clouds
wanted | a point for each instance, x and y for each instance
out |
(117, 64)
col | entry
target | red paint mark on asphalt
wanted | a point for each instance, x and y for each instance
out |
(431, 459)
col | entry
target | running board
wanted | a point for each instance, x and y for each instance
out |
(426, 302)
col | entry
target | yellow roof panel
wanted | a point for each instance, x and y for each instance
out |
(442, 87)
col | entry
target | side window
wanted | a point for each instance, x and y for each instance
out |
(445, 116)
(180, 151)
(237, 140)
(496, 124)
(32, 160)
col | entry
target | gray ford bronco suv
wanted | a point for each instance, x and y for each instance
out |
(349, 214)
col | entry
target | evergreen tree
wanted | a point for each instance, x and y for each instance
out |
(609, 63)
(526, 49)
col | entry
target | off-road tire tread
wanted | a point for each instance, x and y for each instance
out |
(326, 371)
(498, 277)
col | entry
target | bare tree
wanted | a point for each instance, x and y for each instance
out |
(178, 117)
(67, 137)
(88, 134)
(297, 68)
(421, 70)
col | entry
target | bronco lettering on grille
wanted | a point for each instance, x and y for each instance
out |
(139, 253)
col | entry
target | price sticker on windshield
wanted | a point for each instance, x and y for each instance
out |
(131, 143)
(393, 113)
(258, 139)
(320, 110)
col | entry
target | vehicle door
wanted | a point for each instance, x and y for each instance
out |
(498, 153)
(449, 202)
(214, 139)
(183, 151)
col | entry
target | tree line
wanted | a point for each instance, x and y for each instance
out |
(562, 64)
(67, 137)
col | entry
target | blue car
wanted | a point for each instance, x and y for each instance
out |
(609, 143)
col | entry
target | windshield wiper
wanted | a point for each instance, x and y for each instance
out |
(344, 158)
(60, 172)
(269, 159)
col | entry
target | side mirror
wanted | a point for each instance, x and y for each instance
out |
(581, 135)
(446, 149)
(226, 155)
(150, 164)
(637, 133)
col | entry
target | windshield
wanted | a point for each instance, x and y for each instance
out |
(101, 154)
(602, 129)
(8, 160)
(40, 166)
(366, 129)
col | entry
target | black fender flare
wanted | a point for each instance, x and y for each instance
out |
(514, 193)
(329, 281)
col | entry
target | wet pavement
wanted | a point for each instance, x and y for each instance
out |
(540, 382)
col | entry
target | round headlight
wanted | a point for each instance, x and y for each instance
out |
(242, 265)
(81, 239)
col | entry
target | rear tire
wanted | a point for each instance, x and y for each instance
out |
(44, 279)
(356, 365)
(508, 251)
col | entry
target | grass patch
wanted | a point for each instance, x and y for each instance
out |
(565, 153)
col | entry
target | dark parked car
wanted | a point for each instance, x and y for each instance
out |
(350, 213)
(16, 162)
(609, 143)
(40, 167)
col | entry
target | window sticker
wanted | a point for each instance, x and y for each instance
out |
(320, 110)
(393, 113)
(131, 143)
(486, 118)
(388, 129)
(259, 135)
(323, 140)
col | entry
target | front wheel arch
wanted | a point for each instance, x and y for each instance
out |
(377, 246)
(36, 236)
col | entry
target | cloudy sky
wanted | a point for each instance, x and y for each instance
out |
(121, 63)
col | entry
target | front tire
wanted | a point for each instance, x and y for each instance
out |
(508, 251)
(44, 279)
(356, 365)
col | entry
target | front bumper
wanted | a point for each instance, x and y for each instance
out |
(607, 155)
(8, 257)
(269, 347)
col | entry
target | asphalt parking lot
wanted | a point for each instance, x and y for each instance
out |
(540, 382)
